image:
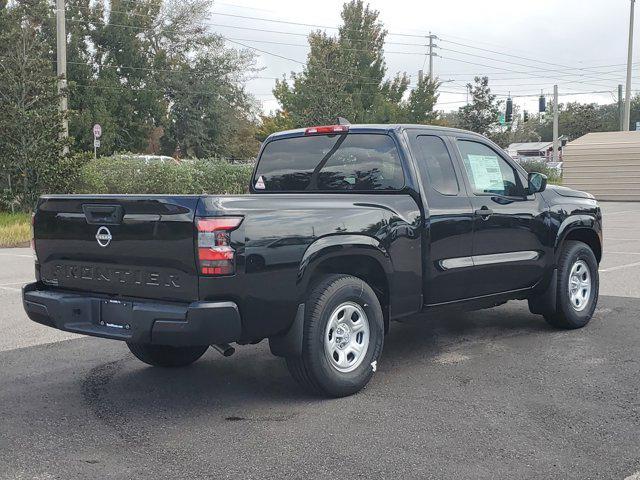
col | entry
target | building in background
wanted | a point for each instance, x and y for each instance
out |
(606, 164)
(535, 150)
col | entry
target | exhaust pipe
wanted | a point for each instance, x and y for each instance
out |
(225, 349)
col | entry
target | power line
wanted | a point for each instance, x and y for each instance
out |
(219, 25)
(504, 54)
(525, 65)
(514, 71)
(270, 20)
(394, 43)
(581, 69)
(266, 52)
(308, 46)
(286, 22)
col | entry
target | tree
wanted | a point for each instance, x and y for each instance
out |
(318, 94)
(422, 100)
(481, 115)
(345, 75)
(276, 122)
(209, 112)
(155, 77)
(578, 119)
(361, 44)
(30, 144)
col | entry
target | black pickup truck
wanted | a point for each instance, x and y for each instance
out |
(346, 228)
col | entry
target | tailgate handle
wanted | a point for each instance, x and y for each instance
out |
(103, 214)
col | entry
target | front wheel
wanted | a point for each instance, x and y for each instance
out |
(343, 337)
(165, 355)
(578, 287)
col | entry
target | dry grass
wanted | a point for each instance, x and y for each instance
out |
(15, 229)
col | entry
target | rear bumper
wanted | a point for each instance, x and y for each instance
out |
(133, 320)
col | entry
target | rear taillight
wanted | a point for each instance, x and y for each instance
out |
(33, 236)
(215, 254)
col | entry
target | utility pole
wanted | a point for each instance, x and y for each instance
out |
(61, 37)
(431, 54)
(556, 114)
(620, 107)
(627, 100)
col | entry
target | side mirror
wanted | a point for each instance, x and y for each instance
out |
(537, 183)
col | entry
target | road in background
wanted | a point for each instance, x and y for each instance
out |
(489, 394)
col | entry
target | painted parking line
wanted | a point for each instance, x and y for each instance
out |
(13, 286)
(619, 267)
(606, 214)
(22, 255)
(15, 283)
(10, 289)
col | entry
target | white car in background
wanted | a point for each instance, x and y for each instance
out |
(150, 158)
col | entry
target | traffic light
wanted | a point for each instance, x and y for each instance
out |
(525, 116)
(508, 116)
(542, 104)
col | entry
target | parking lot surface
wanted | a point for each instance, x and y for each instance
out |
(489, 394)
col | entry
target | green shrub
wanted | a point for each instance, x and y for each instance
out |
(58, 175)
(120, 175)
(64, 175)
(541, 167)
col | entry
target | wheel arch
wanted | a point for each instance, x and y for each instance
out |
(582, 228)
(358, 255)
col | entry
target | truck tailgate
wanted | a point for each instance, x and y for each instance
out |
(138, 246)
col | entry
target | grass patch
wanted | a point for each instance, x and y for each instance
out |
(15, 229)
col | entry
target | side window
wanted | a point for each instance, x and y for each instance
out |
(488, 172)
(434, 161)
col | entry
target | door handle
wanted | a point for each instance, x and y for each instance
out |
(484, 212)
(103, 214)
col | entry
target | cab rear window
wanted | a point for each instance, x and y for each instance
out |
(341, 162)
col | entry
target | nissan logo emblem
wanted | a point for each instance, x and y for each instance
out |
(103, 236)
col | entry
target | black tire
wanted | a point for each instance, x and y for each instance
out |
(566, 316)
(166, 356)
(313, 369)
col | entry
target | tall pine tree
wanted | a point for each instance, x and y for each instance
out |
(30, 145)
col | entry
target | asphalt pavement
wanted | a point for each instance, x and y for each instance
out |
(489, 394)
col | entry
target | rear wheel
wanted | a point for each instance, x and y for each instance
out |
(165, 355)
(578, 286)
(343, 337)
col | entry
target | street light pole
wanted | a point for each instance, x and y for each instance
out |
(627, 100)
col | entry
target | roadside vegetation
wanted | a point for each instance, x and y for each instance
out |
(15, 229)
(121, 175)
(553, 176)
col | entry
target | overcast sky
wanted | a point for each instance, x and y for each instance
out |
(578, 44)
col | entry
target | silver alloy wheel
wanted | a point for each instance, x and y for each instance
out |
(579, 285)
(346, 338)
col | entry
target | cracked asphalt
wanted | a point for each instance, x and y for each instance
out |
(489, 394)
